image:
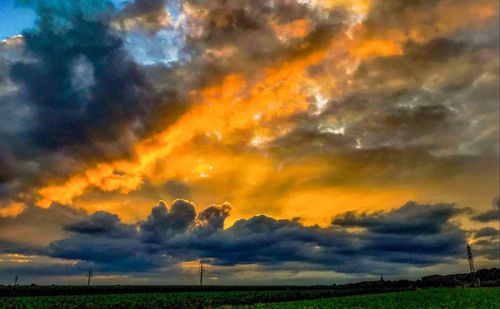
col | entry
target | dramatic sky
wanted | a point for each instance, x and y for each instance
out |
(279, 141)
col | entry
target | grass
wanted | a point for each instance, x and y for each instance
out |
(429, 298)
(453, 298)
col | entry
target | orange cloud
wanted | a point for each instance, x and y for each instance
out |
(12, 210)
(293, 30)
(377, 48)
(249, 102)
(235, 104)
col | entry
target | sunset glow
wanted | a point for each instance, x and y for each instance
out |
(199, 127)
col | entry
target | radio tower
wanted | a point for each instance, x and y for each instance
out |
(470, 257)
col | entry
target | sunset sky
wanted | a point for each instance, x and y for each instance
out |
(278, 141)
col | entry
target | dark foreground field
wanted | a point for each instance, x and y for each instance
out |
(428, 298)
(431, 298)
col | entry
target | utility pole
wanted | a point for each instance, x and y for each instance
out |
(16, 280)
(470, 257)
(90, 275)
(202, 271)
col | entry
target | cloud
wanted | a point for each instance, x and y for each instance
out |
(490, 215)
(411, 218)
(486, 232)
(101, 223)
(150, 15)
(212, 218)
(233, 37)
(487, 244)
(162, 223)
(16, 247)
(413, 235)
(72, 82)
(71, 95)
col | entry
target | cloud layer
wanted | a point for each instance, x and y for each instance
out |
(412, 235)
(312, 109)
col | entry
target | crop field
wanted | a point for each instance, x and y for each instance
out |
(430, 298)
(455, 298)
(163, 300)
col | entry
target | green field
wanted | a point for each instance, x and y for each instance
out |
(163, 300)
(453, 298)
(430, 298)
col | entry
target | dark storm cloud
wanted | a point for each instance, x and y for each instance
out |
(122, 247)
(14, 114)
(106, 253)
(82, 83)
(162, 223)
(490, 215)
(413, 235)
(212, 218)
(101, 223)
(411, 218)
(70, 95)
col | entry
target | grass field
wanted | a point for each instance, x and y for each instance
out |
(453, 298)
(430, 298)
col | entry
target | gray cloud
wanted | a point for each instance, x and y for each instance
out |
(411, 218)
(486, 232)
(490, 215)
(70, 94)
(163, 223)
(101, 223)
(413, 235)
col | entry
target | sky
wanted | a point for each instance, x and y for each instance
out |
(277, 141)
